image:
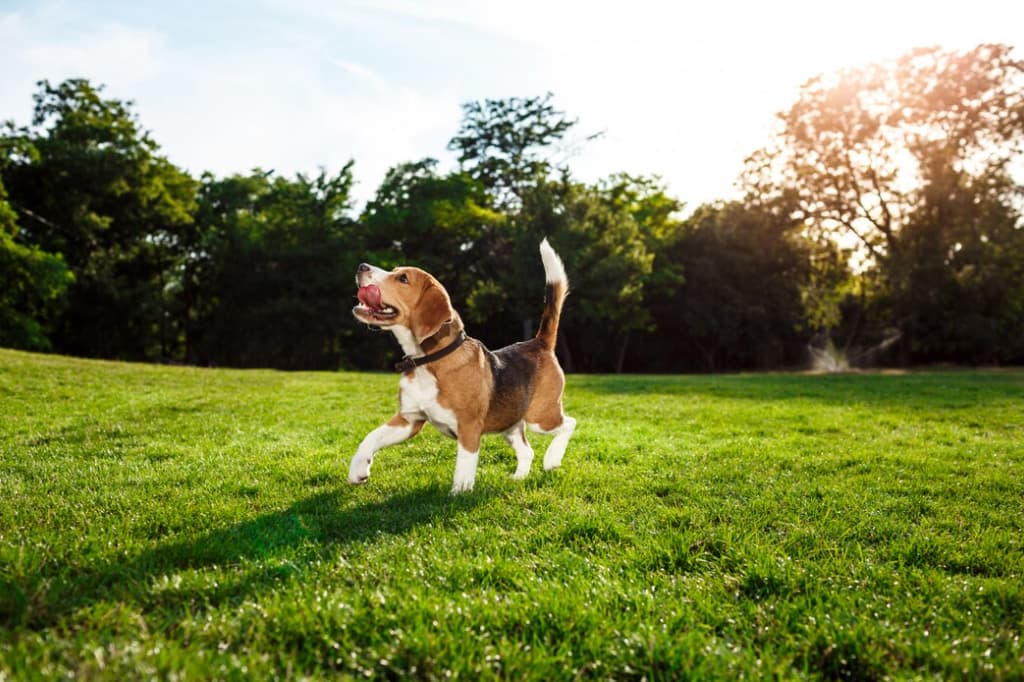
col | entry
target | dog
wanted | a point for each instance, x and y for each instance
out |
(454, 382)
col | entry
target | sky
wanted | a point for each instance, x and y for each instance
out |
(681, 90)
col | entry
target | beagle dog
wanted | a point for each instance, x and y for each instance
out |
(454, 382)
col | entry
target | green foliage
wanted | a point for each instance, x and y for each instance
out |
(502, 143)
(31, 285)
(603, 245)
(444, 224)
(165, 521)
(270, 274)
(740, 304)
(647, 200)
(962, 274)
(91, 186)
(96, 179)
(829, 282)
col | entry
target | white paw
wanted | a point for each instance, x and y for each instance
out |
(359, 470)
(465, 470)
(552, 464)
(461, 486)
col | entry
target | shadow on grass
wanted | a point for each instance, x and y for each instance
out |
(250, 556)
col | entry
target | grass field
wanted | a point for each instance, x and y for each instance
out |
(193, 523)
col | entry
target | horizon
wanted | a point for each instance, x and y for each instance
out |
(294, 87)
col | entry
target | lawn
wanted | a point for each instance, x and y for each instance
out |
(197, 523)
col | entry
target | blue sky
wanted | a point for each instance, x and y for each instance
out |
(681, 90)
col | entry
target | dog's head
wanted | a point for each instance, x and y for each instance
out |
(406, 296)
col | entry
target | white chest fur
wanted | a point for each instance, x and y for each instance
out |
(418, 394)
(418, 398)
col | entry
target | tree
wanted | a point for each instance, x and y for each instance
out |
(601, 231)
(502, 143)
(270, 277)
(90, 185)
(32, 283)
(602, 244)
(647, 200)
(961, 293)
(445, 224)
(656, 214)
(740, 304)
(910, 160)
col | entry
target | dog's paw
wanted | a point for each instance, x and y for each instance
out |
(460, 487)
(359, 470)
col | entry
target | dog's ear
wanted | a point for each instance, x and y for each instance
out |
(432, 311)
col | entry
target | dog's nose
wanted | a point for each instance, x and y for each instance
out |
(363, 267)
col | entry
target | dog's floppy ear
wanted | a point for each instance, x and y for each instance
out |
(432, 311)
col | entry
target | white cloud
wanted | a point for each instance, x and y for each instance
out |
(33, 53)
(363, 73)
(229, 112)
(278, 114)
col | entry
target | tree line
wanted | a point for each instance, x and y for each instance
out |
(883, 214)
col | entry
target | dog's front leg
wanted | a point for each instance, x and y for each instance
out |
(398, 429)
(466, 459)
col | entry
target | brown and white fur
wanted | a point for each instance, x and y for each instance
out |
(471, 391)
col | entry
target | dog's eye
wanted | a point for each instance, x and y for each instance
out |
(403, 278)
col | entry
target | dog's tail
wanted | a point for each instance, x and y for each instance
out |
(556, 290)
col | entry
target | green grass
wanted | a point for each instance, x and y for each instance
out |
(162, 521)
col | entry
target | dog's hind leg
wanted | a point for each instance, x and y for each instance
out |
(397, 429)
(516, 437)
(562, 429)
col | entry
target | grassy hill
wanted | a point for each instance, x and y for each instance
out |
(158, 520)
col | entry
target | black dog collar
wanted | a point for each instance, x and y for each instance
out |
(408, 364)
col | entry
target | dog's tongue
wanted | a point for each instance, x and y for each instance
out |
(369, 296)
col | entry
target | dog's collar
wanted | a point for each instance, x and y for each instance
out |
(408, 364)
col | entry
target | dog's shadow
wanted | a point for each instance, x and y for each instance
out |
(258, 554)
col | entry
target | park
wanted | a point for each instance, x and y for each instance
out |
(798, 403)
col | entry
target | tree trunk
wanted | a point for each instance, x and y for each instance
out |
(163, 312)
(622, 354)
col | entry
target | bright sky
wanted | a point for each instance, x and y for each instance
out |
(681, 90)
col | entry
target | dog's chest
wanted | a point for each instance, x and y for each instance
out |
(418, 395)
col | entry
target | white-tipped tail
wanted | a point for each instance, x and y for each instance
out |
(554, 271)
(555, 289)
